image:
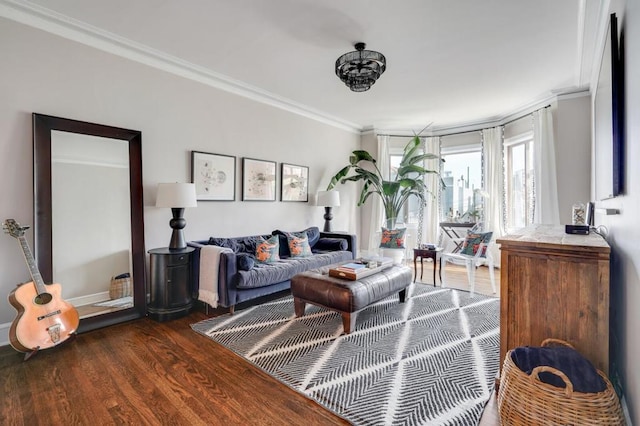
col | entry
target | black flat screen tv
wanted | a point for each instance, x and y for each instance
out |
(609, 117)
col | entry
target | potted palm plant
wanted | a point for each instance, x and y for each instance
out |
(394, 193)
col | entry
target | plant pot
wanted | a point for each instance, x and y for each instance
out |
(396, 254)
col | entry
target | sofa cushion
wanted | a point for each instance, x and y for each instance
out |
(392, 238)
(330, 244)
(265, 274)
(225, 242)
(313, 233)
(245, 261)
(267, 251)
(249, 244)
(299, 245)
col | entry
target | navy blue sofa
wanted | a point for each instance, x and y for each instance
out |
(241, 279)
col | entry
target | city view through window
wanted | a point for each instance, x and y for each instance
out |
(462, 197)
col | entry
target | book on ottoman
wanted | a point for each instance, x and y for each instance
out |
(360, 268)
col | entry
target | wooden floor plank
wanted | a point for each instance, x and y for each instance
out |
(146, 372)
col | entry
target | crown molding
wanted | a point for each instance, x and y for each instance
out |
(64, 26)
(488, 122)
(44, 19)
(601, 36)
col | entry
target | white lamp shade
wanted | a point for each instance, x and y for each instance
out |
(328, 199)
(176, 195)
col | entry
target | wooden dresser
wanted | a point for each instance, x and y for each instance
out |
(553, 284)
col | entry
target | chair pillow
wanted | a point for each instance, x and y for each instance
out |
(245, 261)
(392, 238)
(299, 245)
(472, 243)
(267, 251)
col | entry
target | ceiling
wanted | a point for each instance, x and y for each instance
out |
(449, 63)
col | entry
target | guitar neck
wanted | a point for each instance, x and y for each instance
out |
(31, 263)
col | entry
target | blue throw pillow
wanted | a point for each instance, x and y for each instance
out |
(314, 235)
(248, 244)
(331, 244)
(225, 242)
(245, 261)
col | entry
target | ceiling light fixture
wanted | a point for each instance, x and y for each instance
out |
(360, 69)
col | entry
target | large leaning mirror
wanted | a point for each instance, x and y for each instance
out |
(88, 211)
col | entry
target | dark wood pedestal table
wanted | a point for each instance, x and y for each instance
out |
(429, 254)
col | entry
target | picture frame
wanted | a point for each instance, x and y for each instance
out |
(258, 180)
(294, 183)
(214, 176)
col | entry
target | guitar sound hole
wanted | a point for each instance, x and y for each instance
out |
(43, 299)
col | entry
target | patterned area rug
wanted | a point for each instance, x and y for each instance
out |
(429, 361)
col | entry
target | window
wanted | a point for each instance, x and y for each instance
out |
(462, 175)
(519, 181)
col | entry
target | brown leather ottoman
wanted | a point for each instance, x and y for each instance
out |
(345, 296)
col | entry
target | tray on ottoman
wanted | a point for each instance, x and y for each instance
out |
(348, 297)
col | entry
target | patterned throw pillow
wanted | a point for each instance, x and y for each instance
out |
(392, 238)
(267, 250)
(299, 244)
(313, 233)
(473, 241)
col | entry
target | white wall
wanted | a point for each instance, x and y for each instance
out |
(623, 229)
(572, 134)
(50, 75)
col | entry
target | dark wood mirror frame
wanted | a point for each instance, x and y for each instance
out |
(43, 241)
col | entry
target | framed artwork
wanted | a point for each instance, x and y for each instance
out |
(214, 176)
(258, 180)
(295, 183)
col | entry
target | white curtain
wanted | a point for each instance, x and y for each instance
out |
(546, 199)
(377, 212)
(431, 223)
(492, 151)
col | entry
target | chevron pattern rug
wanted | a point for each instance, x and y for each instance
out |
(429, 361)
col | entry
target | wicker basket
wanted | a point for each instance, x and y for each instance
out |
(525, 400)
(120, 287)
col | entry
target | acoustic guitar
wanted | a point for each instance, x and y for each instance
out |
(44, 319)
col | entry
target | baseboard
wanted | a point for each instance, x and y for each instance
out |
(89, 299)
(625, 411)
(4, 334)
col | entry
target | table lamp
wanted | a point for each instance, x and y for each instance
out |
(328, 199)
(177, 196)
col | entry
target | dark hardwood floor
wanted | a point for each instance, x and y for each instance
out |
(145, 372)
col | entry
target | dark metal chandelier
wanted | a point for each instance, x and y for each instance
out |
(360, 69)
